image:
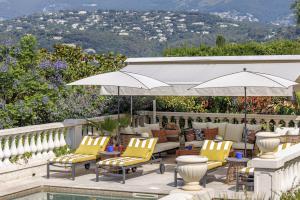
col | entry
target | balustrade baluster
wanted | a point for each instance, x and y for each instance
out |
(62, 138)
(33, 147)
(186, 122)
(45, 144)
(1, 154)
(7, 152)
(26, 144)
(39, 145)
(51, 144)
(160, 120)
(56, 139)
(20, 148)
(13, 147)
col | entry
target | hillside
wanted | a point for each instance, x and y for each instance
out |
(133, 33)
(262, 10)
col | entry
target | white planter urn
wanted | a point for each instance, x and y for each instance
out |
(191, 168)
(267, 143)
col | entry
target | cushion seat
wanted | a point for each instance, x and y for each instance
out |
(161, 147)
(72, 158)
(195, 143)
(213, 164)
(122, 161)
(241, 145)
(247, 171)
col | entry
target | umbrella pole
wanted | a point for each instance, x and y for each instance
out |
(245, 122)
(118, 134)
(131, 111)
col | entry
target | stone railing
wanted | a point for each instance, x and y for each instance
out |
(24, 146)
(184, 118)
(274, 176)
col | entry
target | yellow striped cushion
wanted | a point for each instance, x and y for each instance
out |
(213, 164)
(216, 151)
(250, 170)
(73, 158)
(92, 146)
(247, 170)
(122, 161)
(140, 148)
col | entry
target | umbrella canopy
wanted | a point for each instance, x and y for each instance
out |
(121, 79)
(247, 79)
(244, 80)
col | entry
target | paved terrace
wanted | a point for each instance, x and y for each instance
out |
(147, 180)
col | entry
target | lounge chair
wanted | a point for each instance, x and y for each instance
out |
(245, 176)
(85, 154)
(138, 152)
(216, 152)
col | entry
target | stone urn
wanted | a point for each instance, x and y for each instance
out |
(267, 143)
(191, 168)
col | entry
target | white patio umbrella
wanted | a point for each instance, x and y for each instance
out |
(246, 80)
(119, 80)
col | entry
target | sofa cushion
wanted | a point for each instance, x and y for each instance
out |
(152, 126)
(199, 125)
(254, 127)
(234, 132)
(221, 127)
(195, 143)
(241, 145)
(140, 130)
(161, 147)
(172, 135)
(129, 130)
(161, 135)
(216, 151)
(210, 134)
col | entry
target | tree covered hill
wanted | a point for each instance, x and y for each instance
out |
(263, 10)
(132, 33)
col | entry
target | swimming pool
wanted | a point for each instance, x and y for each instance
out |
(66, 196)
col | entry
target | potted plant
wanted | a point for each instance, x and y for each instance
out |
(107, 127)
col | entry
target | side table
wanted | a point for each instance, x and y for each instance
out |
(106, 154)
(234, 165)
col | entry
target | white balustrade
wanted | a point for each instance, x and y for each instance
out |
(1, 154)
(258, 118)
(33, 147)
(273, 176)
(62, 140)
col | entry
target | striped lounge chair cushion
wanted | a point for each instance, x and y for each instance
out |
(121, 161)
(216, 151)
(250, 170)
(72, 158)
(137, 151)
(87, 150)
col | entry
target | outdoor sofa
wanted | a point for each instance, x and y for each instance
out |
(138, 153)
(85, 154)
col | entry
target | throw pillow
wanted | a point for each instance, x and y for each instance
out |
(199, 125)
(161, 135)
(251, 137)
(254, 127)
(293, 131)
(172, 135)
(221, 127)
(281, 130)
(210, 134)
(128, 130)
(234, 132)
(199, 134)
(140, 130)
(190, 136)
(152, 126)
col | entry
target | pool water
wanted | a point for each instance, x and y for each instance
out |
(65, 196)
